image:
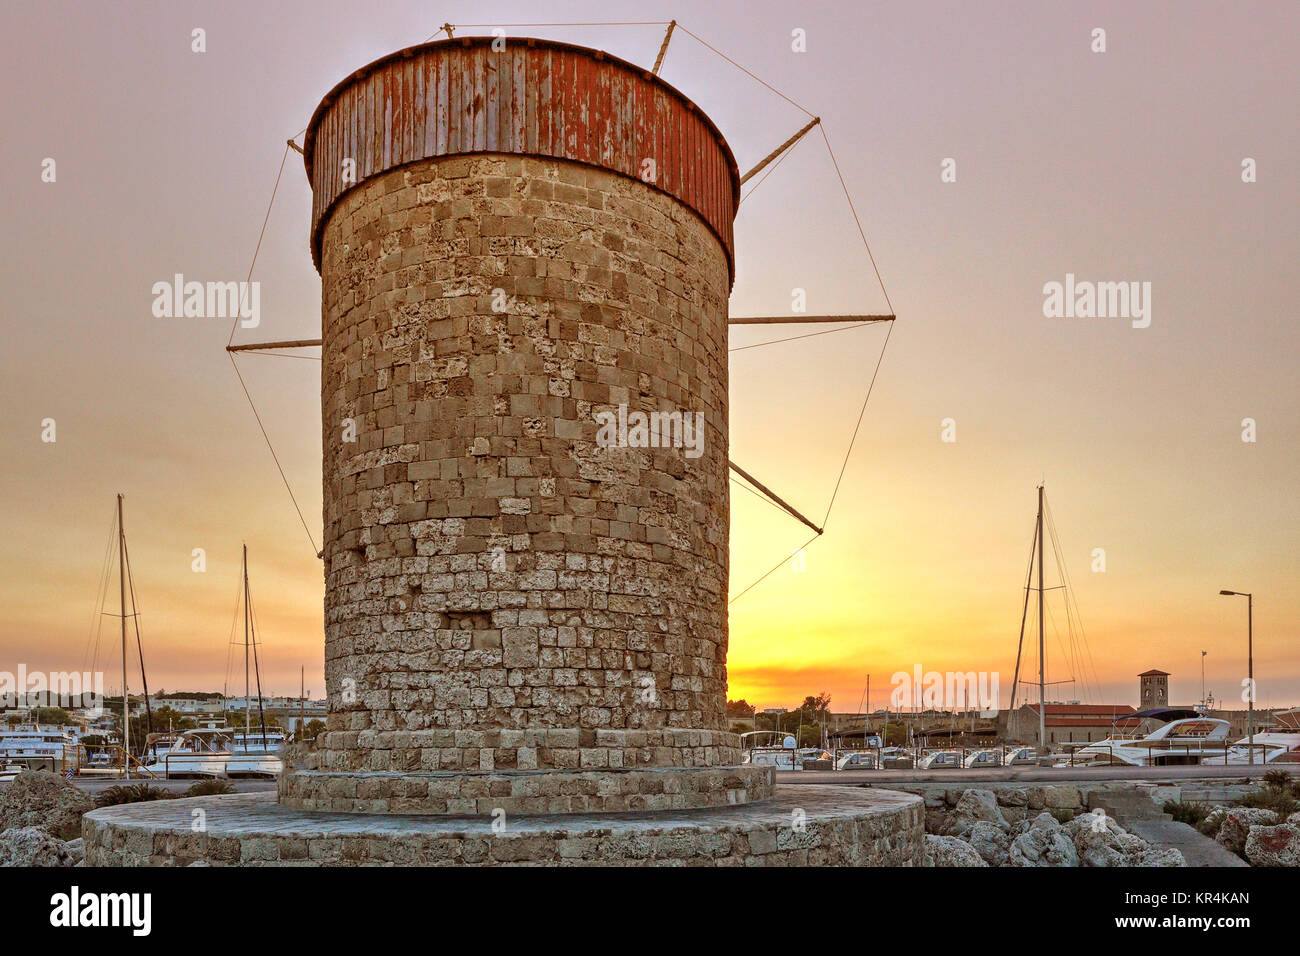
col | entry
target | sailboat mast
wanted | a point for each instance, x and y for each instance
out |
(248, 715)
(121, 568)
(1042, 686)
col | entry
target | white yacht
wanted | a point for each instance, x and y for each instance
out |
(1184, 737)
(41, 748)
(1279, 743)
(190, 753)
(255, 754)
(769, 748)
(1179, 737)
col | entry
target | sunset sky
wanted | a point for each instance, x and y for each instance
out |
(1117, 166)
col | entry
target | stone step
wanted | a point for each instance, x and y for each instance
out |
(1196, 847)
(1127, 805)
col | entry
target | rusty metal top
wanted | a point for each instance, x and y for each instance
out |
(536, 97)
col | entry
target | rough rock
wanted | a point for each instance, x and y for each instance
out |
(77, 848)
(1213, 821)
(1274, 845)
(974, 806)
(1100, 841)
(33, 846)
(949, 851)
(1014, 815)
(990, 841)
(1062, 798)
(44, 799)
(1158, 856)
(936, 821)
(1014, 797)
(1044, 843)
(1294, 818)
(1237, 823)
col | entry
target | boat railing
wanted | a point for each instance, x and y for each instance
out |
(1071, 754)
(126, 763)
(1207, 752)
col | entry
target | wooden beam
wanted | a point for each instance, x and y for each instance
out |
(803, 319)
(262, 346)
(659, 60)
(773, 496)
(779, 150)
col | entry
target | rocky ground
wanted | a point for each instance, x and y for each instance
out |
(1261, 837)
(40, 821)
(1034, 826)
(1048, 826)
(40, 825)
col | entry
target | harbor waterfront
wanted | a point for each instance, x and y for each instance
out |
(816, 437)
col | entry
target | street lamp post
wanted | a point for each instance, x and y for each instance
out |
(1250, 661)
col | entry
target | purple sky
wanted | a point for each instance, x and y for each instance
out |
(1124, 165)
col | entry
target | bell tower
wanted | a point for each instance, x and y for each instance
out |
(1154, 690)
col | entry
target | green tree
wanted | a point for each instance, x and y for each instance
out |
(740, 708)
(894, 735)
(51, 715)
(235, 718)
(810, 735)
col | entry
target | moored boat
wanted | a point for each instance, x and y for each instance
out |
(189, 753)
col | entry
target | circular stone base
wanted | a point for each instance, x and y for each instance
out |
(801, 825)
(526, 791)
(541, 748)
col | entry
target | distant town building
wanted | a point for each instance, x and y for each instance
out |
(1065, 723)
(189, 705)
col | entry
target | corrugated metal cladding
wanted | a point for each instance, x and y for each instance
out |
(536, 97)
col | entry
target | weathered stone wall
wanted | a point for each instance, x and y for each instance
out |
(801, 825)
(488, 792)
(491, 573)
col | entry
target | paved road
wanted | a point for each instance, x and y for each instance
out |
(1024, 775)
(1196, 848)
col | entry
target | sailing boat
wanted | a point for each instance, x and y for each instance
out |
(1036, 553)
(253, 753)
(126, 584)
(197, 753)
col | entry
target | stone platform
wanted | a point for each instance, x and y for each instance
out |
(800, 825)
(457, 793)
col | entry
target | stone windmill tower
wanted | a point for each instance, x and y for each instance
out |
(510, 244)
(522, 618)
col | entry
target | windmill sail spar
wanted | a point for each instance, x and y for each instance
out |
(768, 163)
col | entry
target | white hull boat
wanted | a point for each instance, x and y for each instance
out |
(256, 755)
(194, 753)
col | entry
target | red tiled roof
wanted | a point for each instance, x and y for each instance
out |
(1078, 710)
(1154, 673)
